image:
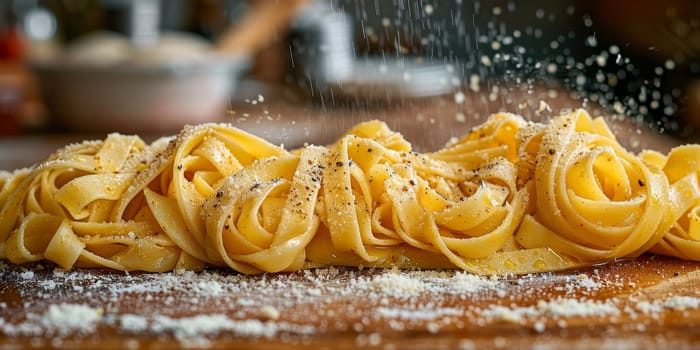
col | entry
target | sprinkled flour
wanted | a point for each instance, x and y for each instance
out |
(196, 308)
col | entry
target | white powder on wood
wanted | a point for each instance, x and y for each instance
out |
(404, 283)
(190, 327)
(392, 283)
(212, 288)
(646, 307)
(234, 305)
(133, 323)
(562, 307)
(195, 329)
(416, 314)
(469, 283)
(676, 302)
(27, 275)
(67, 318)
(509, 314)
(680, 303)
(575, 307)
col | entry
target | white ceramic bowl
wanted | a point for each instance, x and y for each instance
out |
(139, 98)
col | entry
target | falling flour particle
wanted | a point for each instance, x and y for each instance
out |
(460, 98)
(543, 107)
(474, 81)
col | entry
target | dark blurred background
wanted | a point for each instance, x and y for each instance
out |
(637, 60)
(643, 55)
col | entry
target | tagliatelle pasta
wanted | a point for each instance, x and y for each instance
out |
(592, 199)
(681, 167)
(509, 197)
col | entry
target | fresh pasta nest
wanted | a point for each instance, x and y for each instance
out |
(509, 197)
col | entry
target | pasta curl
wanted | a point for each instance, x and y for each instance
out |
(191, 168)
(593, 200)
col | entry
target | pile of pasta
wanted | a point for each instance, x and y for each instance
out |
(510, 197)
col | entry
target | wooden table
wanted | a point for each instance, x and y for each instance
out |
(346, 308)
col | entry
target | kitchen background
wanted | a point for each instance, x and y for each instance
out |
(302, 71)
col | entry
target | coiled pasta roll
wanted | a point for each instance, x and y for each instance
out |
(189, 170)
(263, 217)
(591, 199)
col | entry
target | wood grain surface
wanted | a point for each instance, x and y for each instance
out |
(331, 309)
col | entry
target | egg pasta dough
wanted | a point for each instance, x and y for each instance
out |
(510, 197)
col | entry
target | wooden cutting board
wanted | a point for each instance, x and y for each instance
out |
(651, 301)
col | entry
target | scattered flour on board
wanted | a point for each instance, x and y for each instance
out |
(189, 327)
(59, 320)
(567, 307)
(219, 302)
(200, 325)
(676, 302)
(390, 283)
(27, 275)
(681, 303)
(69, 317)
(403, 283)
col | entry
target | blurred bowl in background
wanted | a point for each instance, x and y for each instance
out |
(148, 98)
(101, 83)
